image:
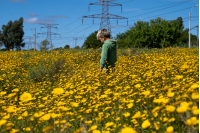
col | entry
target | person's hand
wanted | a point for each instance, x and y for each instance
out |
(100, 69)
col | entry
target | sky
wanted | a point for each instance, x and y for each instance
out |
(69, 28)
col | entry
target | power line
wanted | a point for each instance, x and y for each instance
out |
(127, 2)
(180, 2)
(160, 10)
(76, 20)
(163, 14)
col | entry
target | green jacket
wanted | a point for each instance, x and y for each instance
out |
(108, 54)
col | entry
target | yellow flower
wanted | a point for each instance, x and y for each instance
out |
(74, 104)
(185, 104)
(96, 131)
(196, 112)
(88, 122)
(130, 105)
(105, 131)
(15, 90)
(184, 66)
(192, 121)
(48, 128)
(171, 119)
(128, 130)
(108, 124)
(181, 109)
(9, 124)
(170, 109)
(157, 125)
(170, 94)
(2, 122)
(93, 127)
(6, 117)
(195, 96)
(137, 115)
(194, 86)
(127, 114)
(2, 93)
(155, 114)
(178, 77)
(158, 100)
(10, 109)
(37, 115)
(78, 130)
(165, 119)
(25, 114)
(28, 129)
(46, 117)
(194, 107)
(117, 119)
(14, 131)
(146, 93)
(170, 129)
(146, 124)
(58, 91)
(25, 97)
(137, 85)
(11, 95)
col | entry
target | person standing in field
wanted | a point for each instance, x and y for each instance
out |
(109, 51)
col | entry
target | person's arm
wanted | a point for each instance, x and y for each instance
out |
(104, 56)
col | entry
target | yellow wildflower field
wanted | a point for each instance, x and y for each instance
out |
(149, 92)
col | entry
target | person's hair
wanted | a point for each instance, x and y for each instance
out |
(103, 32)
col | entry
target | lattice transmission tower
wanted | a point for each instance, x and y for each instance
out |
(105, 16)
(49, 33)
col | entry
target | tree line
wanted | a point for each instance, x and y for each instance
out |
(157, 33)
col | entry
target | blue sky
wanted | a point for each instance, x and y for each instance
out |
(68, 15)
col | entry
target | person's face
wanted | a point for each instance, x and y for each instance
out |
(102, 39)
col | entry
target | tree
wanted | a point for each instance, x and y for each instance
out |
(58, 48)
(77, 47)
(92, 42)
(12, 34)
(32, 49)
(66, 47)
(122, 40)
(1, 43)
(44, 44)
(139, 35)
(157, 33)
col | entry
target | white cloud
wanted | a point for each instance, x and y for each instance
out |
(33, 14)
(18, 1)
(59, 16)
(38, 21)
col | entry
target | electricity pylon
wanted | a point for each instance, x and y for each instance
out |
(105, 15)
(49, 33)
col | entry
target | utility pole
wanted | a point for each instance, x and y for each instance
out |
(83, 39)
(34, 39)
(190, 23)
(75, 41)
(189, 28)
(49, 33)
(105, 16)
(29, 42)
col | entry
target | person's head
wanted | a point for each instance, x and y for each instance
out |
(103, 35)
